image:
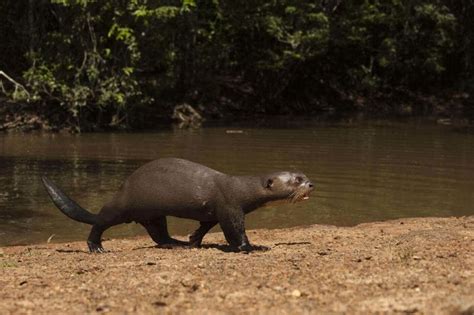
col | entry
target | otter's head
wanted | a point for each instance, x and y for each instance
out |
(288, 185)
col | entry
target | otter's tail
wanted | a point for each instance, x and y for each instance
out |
(68, 206)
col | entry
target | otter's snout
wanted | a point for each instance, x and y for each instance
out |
(306, 188)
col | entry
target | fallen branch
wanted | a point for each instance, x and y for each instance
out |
(16, 84)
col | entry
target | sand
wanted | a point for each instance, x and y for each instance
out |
(419, 265)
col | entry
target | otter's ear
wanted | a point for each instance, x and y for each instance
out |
(268, 183)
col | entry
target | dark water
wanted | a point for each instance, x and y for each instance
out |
(363, 172)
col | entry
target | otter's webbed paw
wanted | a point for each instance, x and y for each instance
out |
(171, 243)
(195, 240)
(96, 248)
(246, 248)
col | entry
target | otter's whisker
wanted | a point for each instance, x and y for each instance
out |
(291, 197)
(298, 195)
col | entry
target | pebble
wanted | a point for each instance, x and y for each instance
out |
(296, 293)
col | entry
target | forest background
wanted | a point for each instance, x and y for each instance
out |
(87, 65)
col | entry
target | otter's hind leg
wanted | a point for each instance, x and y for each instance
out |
(195, 239)
(158, 231)
(108, 216)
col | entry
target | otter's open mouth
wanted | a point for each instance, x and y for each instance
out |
(305, 196)
(299, 196)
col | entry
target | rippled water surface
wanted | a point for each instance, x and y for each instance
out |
(363, 172)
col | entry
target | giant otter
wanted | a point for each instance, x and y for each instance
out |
(180, 188)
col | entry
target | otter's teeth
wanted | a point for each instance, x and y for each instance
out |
(305, 197)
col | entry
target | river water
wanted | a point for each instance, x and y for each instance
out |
(365, 171)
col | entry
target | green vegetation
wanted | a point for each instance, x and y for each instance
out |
(90, 64)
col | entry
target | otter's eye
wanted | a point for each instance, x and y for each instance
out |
(299, 180)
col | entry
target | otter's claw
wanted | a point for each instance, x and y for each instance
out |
(96, 248)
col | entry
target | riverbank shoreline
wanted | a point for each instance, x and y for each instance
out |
(447, 108)
(416, 265)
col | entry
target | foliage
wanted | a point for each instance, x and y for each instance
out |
(115, 63)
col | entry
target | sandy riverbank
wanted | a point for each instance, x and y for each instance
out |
(421, 265)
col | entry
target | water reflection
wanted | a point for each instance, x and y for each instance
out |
(362, 173)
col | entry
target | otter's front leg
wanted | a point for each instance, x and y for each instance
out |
(232, 222)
